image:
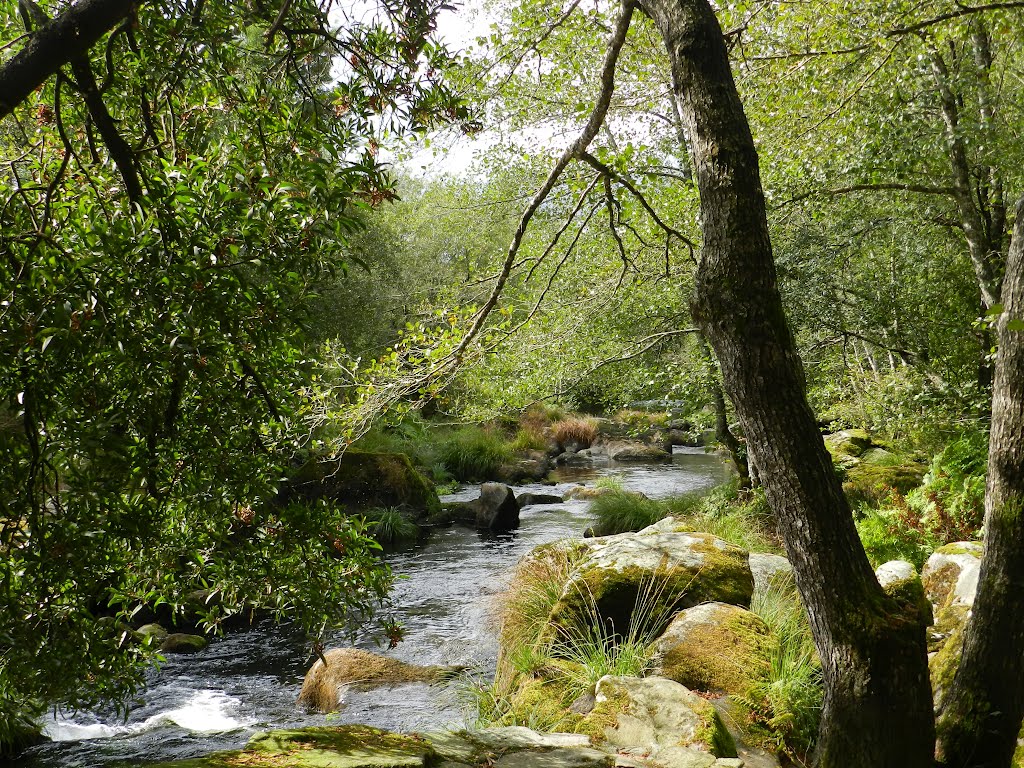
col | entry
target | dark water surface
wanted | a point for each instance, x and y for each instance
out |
(248, 681)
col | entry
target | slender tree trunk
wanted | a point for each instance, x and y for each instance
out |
(723, 433)
(877, 709)
(982, 712)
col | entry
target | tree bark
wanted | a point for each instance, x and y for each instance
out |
(982, 712)
(70, 35)
(877, 709)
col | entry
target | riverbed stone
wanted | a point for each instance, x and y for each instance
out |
(662, 719)
(714, 647)
(322, 686)
(535, 499)
(346, 746)
(180, 642)
(637, 452)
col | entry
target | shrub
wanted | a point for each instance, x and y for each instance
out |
(621, 511)
(474, 453)
(582, 431)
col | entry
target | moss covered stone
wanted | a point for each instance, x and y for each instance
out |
(648, 577)
(365, 480)
(848, 443)
(714, 647)
(871, 482)
(349, 746)
(900, 581)
(661, 716)
(950, 576)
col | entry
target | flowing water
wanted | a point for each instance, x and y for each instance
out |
(248, 681)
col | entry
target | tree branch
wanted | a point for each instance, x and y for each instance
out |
(894, 186)
(966, 10)
(52, 46)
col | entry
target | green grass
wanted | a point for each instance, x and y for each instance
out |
(621, 511)
(783, 707)
(390, 527)
(743, 519)
(474, 453)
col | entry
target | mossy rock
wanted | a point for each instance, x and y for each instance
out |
(950, 576)
(364, 480)
(348, 746)
(899, 580)
(179, 642)
(871, 482)
(655, 571)
(356, 667)
(660, 715)
(714, 647)
(848, 443)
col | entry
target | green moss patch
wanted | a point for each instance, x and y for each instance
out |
(725, 653)
(349, 746)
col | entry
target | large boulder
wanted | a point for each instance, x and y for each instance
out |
(537, 499)
(322, 686)
(363, 480)
(495, 509)
(847, 443)
(769, 570)
(950, 579)
(899, 580)
(660, 719)
(532, 466)
(659, 570)
(714, 647)
(636, 452)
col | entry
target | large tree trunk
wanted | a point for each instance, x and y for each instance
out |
(982, 711)
(877, 709)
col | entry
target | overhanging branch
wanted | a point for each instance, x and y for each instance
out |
(69, 35)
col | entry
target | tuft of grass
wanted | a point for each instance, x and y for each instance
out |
(541, 672)
(621, 511)
(579, 430)
(474, 453)
(390, 527)
(528, 438)
(611, 482)
(784, 705)
(741, 518)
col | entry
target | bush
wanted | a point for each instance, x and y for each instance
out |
(581, 431)
(621, 511)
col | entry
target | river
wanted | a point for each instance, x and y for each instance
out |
(444, 597)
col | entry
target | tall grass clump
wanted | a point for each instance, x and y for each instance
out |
(578, 430)
(741, 518)
(783, 706)
(474, 453)
(621, 511)
(542, 670)
(390, 527)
